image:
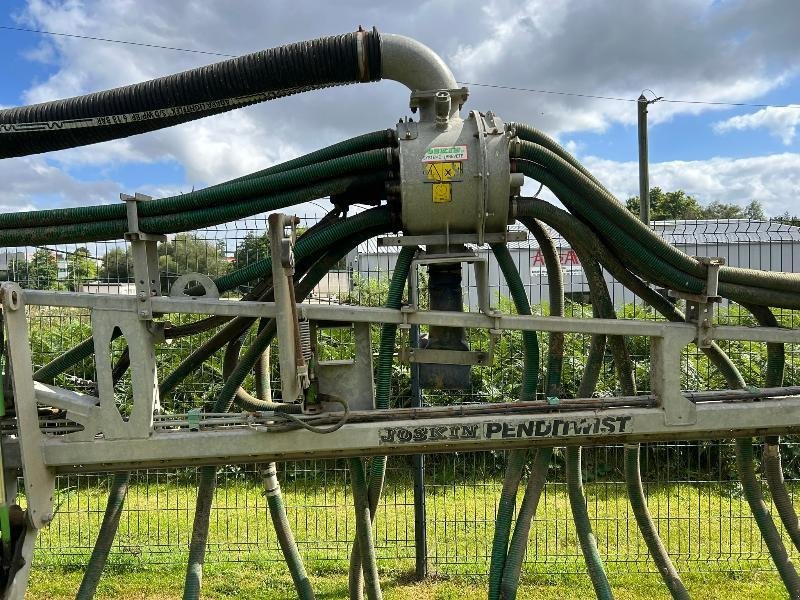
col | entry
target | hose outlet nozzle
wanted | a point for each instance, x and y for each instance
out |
(442, 104)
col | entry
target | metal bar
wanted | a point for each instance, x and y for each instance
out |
(453, 238)
(353, 314)
(587, 427)
(418, 460)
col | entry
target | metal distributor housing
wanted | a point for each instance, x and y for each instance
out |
(454, 172)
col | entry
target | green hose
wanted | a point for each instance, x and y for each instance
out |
(751, 488)
(541, 460)
(184, 221)
(516, 458)
(375, 217)
(382, 401)
(603, 308)
(643, 259)
(752, 491)
(369, 566)
(265, 183)
(771, 459)
(616, 212)
(105, 537)
(283, 531)
(383, 138)
(587, 245)
(326, 238)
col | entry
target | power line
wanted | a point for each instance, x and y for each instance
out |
(113, 41)
(536, 91)
(619, 99)
(472, 83)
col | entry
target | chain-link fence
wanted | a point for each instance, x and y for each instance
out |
(692, 488)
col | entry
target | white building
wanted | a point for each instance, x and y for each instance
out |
(766, 245)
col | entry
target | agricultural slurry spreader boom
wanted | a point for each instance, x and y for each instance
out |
(440, 185)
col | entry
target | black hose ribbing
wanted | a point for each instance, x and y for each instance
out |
(186, 96)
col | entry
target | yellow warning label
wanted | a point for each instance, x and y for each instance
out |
(442, 192)
(443, 171)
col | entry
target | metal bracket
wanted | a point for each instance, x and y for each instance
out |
(700, 307)
(453, 238)
(144, 248)
(350, 379)
(444, 357)
(407, 129)
(480, 265)
(293, 365)
(666, 354)
(483, 174)
(178, 289)
(39, 480)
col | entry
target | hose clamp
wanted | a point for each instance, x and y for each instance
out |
(361, 54)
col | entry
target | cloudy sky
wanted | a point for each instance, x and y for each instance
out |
(705, 52)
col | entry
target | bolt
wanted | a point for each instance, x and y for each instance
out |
(142, 296)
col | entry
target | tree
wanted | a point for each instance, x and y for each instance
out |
(676, 205)
(188, 253)
(116, 266)
(42, 271)
(665, 206)
(251, 249)
(81, 267)
(788, 219)
(755, 211)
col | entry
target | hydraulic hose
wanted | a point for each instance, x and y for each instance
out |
(516, 458)
(541, 460)
(383, 390)
(183, 97)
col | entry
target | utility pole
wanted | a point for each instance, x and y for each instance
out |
(644, 174)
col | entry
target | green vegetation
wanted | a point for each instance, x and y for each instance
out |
(707, 529)
(678, 204)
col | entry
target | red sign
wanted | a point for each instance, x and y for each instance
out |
(568, 258)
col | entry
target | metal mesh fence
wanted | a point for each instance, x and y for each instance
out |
(692, 488)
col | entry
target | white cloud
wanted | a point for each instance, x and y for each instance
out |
(30, 182)
(685, 48)
(780, 122)
(771, 179)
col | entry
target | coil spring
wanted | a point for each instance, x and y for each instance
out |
(304, 327)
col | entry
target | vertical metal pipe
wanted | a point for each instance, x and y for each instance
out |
(420, 513)
(644, 175)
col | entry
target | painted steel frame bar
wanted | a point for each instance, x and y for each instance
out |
(360, 314)
(481, 432)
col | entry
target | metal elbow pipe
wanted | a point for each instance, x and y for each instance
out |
(413, 64)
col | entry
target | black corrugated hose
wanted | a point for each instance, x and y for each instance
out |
(186, 96)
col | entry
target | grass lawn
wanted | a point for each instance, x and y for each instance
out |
(248, 581)
(706, 528)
